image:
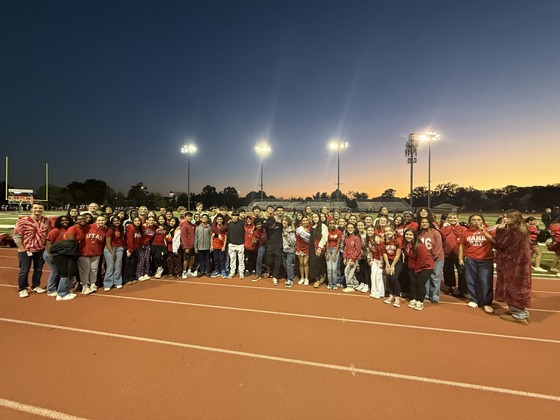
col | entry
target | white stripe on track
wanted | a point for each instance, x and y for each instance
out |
(350, 369)
(328, 318)
(37, 411)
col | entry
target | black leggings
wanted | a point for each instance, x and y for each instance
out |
(392, 281)
(418, 283)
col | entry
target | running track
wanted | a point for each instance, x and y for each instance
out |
(232, 349)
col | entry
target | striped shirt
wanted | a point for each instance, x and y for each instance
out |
(33, 232)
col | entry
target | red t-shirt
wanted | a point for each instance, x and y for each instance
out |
(116, 238)
(77, 232)
(475, 245)
(159, 236)
(149, 232)
(334, 238)
(390, 247)
(56, 235)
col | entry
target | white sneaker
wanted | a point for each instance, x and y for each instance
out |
(144, 278)
(472, 304)
(106, 289)
(274, 281)
(539, 269)
(412, 303)
(86, 291)
(348, 289)
(190, 273)
(93, 288)
(38, 290)
(360, 286)
(306, 282)
(365, 289)
(52, 293)
(23, 293)
(554, 270)
(159, 272)
(69, 296)
(185, 275)
(488, 309)
(194, 273)
(119, 286)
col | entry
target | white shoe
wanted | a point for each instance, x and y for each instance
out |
(93, 288)
(274, 281)
(194, 273)
(360, 286)
(119, 286)
(185, 275)
(86, 291)
(472, 304)
(300, 281)
(159, 272)
(306, 282)
(106, 289)
(38, 290)
(69, 296)
(539, 269)
(348, 289)
(554, 270)
(144, 278)
(365, 289)
(23, 293)
(412, 303)
(52, 293)
(488, 309)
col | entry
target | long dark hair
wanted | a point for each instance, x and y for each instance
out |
(120, 227)
(415, 241)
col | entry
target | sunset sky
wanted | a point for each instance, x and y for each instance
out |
(111, 90)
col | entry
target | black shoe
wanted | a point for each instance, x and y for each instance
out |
(200, 274)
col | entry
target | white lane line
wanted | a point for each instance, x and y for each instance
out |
(351, 369)
(328, 318)
(37, 411)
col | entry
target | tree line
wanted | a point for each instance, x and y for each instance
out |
(534, 198)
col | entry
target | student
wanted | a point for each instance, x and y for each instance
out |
(133, 234)
(187, 242)
(375, 262)
(431, 237)
(202, 245)
(250, 244)
(259, 235)
(148, 232)
(513, 285)
(555, 245)
(302, 250)
(351, 256)
(173, 240)
(334, 240)
(288, 249)
(65, 255)
(274, 248)
(61, 225)
(91, 249)
(476, 255)
(158, 248)
(533, 228)
(113, 253)
(317, 248)
(451, 232)
(392, 250)
(236, 245)
(364, 271)
(420, 266)
(219, 241)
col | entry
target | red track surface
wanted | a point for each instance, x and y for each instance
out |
(214, 348)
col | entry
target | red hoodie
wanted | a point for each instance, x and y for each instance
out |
(420, 259)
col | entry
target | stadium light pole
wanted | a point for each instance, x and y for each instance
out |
(188, 149)
(263, 150)
(411, 153)
(430, 137)
(338, 145)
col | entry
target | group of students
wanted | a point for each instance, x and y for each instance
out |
(387, 257)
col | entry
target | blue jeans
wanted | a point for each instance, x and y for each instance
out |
(332, 267)
(219, 260)
(25, 266)
(434, 282)
(260, 257)
(288, 260)
(51, 285)
(479, 275)
(113, 267)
